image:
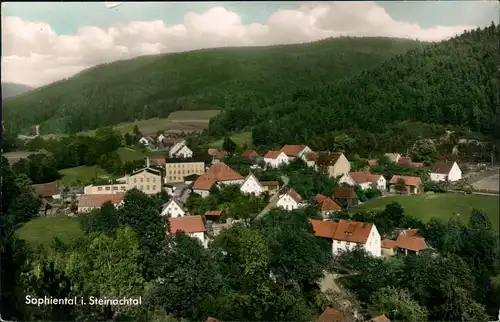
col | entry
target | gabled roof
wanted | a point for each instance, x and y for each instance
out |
(98, 200)
(213, 213)
(412, 243)
(45, 189)
(294, 195)
(149, 170)
(250, 175)
(204, 183)
(319, 198)
(293, 150)
(173, 200)
(442, 167)
(328, 158)
(344, 230)
(187, 224)
(329, 205)
(410, 181)
(364, 177)
(333, 315)
(219, 172)
(249, 154)
(388, 244)
(311, 156)
(272, 154)
(345, 193)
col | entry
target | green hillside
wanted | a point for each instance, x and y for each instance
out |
(10, 90)
(154, 86)
(451, 83)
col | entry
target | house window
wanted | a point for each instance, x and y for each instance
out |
(154, 179)
(338, 242)
(115, 188)
(142, 179)
(122, 189)
(147, 179)
(99, 188)
(108, 188)
(147, 187)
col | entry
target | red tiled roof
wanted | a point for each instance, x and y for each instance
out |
(410, 181)
(319, 198)
(372, 162)
(345, 193)
(311, 156)
(411, 233)
(380, 318)
(364, 177)
(216, 173)
(99, 200)
(45, 189)
(204, 182)
(404, 161)
(249, 154)
(269, 183)
(220, 156)
(344, 230)
(272, 154)
(292, 150)
(213, 213)
(187, 224)
(294, 194)
(415, 244)
(387, 243)
(329, 205)
(212, 152)
(442, 167)
(333, 315)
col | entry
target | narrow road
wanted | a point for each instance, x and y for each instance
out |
(274, 198)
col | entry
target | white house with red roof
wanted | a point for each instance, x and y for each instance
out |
(192, 226)
(293, 151)
(326, 205)
(217, 175)
(445, 171)
(290, 200)
(347, 234)
(251, 185)
(275, 159)
(365, 180)
(173, 209)
(87, 203)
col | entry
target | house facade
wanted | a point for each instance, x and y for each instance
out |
(173, 209)
(192, 226)
(217, 175)
(270, 187)
(290, 200)
(365, 180)
(87, 203)
(144, 141)
(177, 171)
(335, 163)
(275, 159)
(184, 152)
(445, 171)
(251, 186)
(310, 158)
(347, 234)
(413, 185)
(148, 180)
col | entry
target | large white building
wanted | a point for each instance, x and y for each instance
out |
(347, 234)
(445, 171)
(290, 200)
(148, 180)
(251, 186)
(275, 159)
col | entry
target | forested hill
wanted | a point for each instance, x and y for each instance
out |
(150, 86)
(12, 89)
(454, 82)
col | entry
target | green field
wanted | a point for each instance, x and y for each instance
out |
(443, 206)
(180, 120)
(238, 138)
(41, 231)
(82, 175)
(133, 154)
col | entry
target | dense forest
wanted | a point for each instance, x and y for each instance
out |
(454, 82)
(222, 78)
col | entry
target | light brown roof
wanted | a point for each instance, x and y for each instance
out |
(329, 205)
(415, 244)
(364, 177)
(387, 243)
(333, 315)
(212, 152)
(344, 230)
(319, 198)
(411, 233)
(219, 172)
(410, 181)
(311, 156)
(272, 154)
(294, 194)
(204, 182)
(269, 183)
(443, 167)
(220, 155)
(157, 161)
(187, 224)
(328, 158)
(99, 200)
(213, 213)
(345, 193)
(404, 161)
(249, 154)
(45, 189)
(380, 318)
(372, 162)
(292, 150)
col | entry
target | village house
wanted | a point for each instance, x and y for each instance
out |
(218, 157)
(46, 191)
(144, 141)
(347, 234)
(160, 138)
(251, 155)
(393, 157)
(335, 163)
(413, 184)
(365, 180)
(294, 151)
(169, 189)
(407, 162)
(270, 187)
(334, 315)
(347, 196)
(148, 180)
(176, 171)
(212, 152)
(326, 205)
(310, 158)
(180, 150)
(191, 178)
(213, 215)
(445, 171)
(409, 241)
(87, 203)
(290, 200)
(275, 159)
(193, 226)
(217, 175)
(251, 185)
(173, 208)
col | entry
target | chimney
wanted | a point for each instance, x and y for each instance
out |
(37, 130)
(147, 162)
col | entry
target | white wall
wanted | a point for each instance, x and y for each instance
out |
(372, 246)
(203, 193)
(455, 173)
(438, 177)
(346, 178)
(381, 184)
(251, 185)
(200, 236)
(286, 202)
(174, 210)
(184, 152)
(275, 163)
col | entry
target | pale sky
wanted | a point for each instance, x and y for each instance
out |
(43, 42)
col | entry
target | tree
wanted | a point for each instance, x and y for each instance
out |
(104, 219)
(397, 304)
(228, 145)
(128, 138)
(400, 186)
